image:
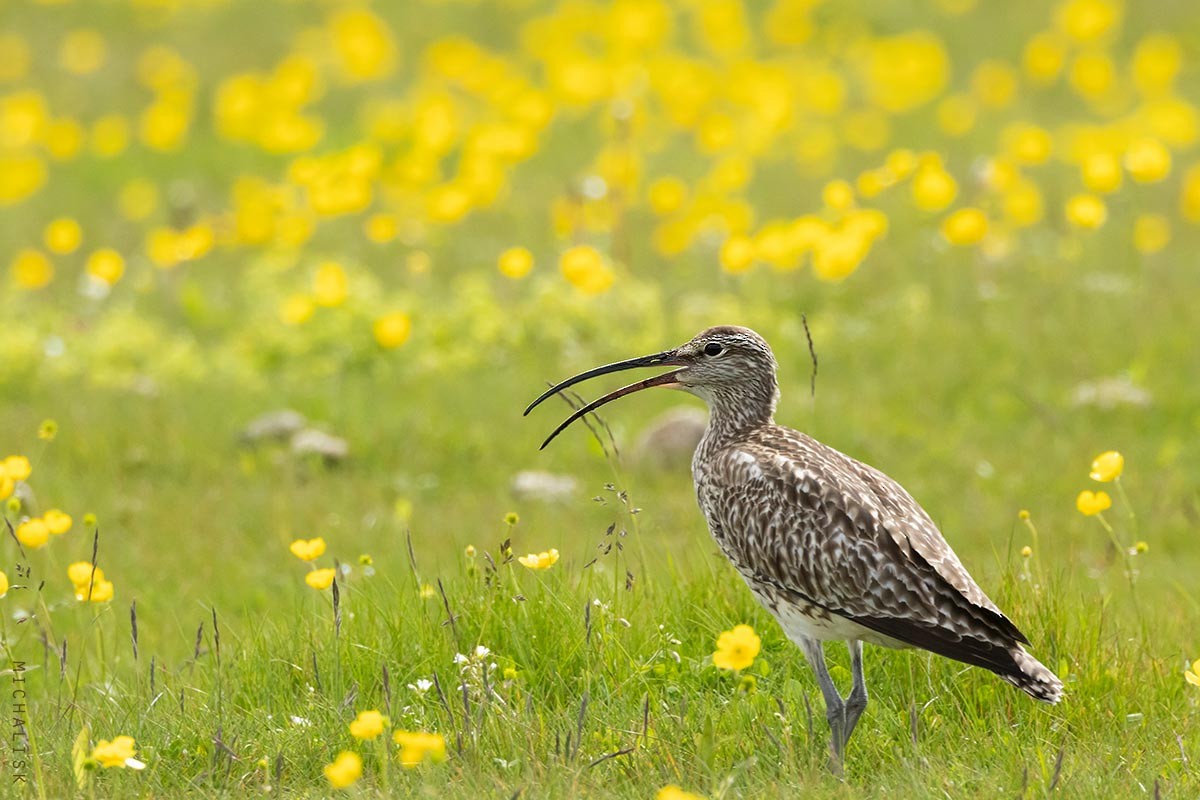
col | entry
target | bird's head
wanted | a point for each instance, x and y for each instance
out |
(730, 368)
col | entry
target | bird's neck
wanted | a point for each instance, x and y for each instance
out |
(733, 414)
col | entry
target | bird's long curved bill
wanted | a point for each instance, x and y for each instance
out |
(667, 357)
(666, 379)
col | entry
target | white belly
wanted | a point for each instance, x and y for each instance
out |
(803, 621)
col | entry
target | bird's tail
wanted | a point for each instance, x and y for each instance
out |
(1033, 678)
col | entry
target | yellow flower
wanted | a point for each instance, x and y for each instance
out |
(543, 560)
(1107, 466)
(737, 254)
(737, 648)
(364, 44)
(30, 268)
(82, 52)
(106, 265)
(368, 725)
(1023, 514)
(33, 533)
(1026, 143)
(7, 484)
(1156, 62)
(416, 747)
(320, 579)
(308, 549)
(3, 584)
(1086, 211)
(1148, 161)
(673, 792)
(102, 591)
(1090, 503)
(1192, 675)
(1140, 546)
(1151, 233)
(1088, 20)
(115, 753)
(933, 188)
(330, 286)
(965, 226)
(1043, 58)
(1101, 172)
(381, 228)
(837, 195)
(515, 262)
(427, 592)
(62, 235)
(392, 330)
(47, 430)
(81, 574)
(297, 309)
(345, 770)
(586, 270)
(666, 195)
(1026, 551)
(994, 84)
(58, 522)
(17, 467)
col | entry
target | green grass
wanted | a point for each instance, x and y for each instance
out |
(192, 524)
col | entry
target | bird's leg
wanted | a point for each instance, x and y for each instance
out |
(856, 703)
(835, 709)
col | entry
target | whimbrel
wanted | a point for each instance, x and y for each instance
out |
(833, 548)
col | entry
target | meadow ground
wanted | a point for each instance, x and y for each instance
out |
(315, 214)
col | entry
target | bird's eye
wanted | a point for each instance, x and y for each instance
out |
(712, 349)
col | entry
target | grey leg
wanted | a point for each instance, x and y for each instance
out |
(835, 709)
(857, 701)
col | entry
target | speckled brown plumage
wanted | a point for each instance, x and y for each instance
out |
(833, 548)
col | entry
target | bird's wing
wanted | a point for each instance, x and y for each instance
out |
(810, 520)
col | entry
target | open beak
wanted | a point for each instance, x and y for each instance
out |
(667, 357)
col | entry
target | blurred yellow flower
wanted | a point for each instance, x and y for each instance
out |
(102, 591)
(1151, 233)
(1147, 160)
(365, 46)
(368, 725)
(106, 265)
(392, 330)
(47, 430)
(14, 56)
(965, 226)
(1023, 205)
(308, 549)
(737, 648)
(933, 188)
(7, 485)
(3, 584)
(1090, 503)
(1192, 675)
(137, 199)
(110, 135)
(330, 284)
(1044, 57)
(427, 592)
(58, 522)
(667, 195)
(737, 254)
(62, 235)
(82, 574)
(31, 269)
(381, 228)
(297, 309)
(116, 753)
(543, 560)
(345, 770)
(838, 195)
(1093, 74)
(1026, 143)
(82, 52)
(1088, 20)
(1107, 466)
(1156, 62)
(33, 533)
(673, 792)
(1086, 211)
(320, 579)
(21, 175)
(17, 467)
(1101, 172)
(994, 84)
(905, 71)
(416, 747)
(586, 270)
(1026, 551)
(515, 262)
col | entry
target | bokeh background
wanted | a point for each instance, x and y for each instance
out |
(400, 219)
